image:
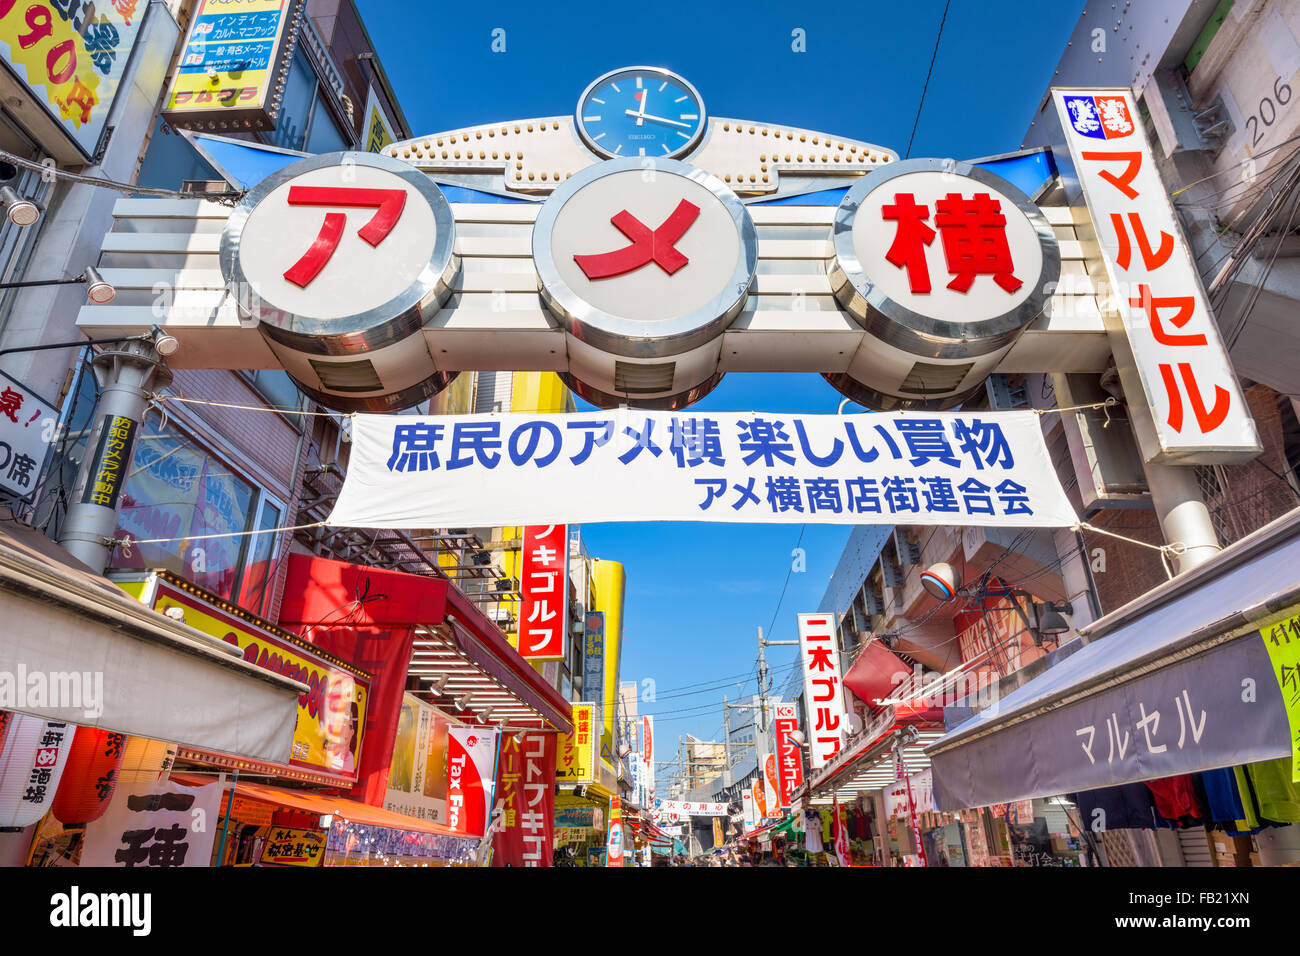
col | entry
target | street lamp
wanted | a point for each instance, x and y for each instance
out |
(18, 209)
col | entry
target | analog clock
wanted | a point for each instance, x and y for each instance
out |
(641, 111)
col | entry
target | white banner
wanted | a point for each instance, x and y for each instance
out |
(687, 808)
(915, 468)
(819, 653)
(155, 824)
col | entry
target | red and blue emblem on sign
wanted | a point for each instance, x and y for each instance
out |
(1101, 117)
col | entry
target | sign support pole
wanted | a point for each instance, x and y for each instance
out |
(1184, 518)
(126, 374)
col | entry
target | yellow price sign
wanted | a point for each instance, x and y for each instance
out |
(1282, 640)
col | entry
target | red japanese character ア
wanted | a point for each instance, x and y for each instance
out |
(974, 233)
(387, 203)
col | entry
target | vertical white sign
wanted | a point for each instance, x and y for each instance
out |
(819, 655)
(1199, 412)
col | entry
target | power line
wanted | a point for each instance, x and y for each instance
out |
(933, 56)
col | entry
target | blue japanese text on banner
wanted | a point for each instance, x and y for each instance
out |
(915, 468)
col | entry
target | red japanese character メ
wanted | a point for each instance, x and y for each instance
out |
(387, 203)
(648, 244)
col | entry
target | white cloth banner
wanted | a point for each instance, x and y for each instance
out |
(155, 824)
(687, 808)
(915, 468)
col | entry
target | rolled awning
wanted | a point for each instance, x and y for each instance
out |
(324, 804)
(159, 678)
(1178, 681)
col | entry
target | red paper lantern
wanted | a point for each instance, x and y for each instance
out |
(90, 777)
(32, 757)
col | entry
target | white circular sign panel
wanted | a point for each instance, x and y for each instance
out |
(874, 235)
(648, 294)
(942, 259)
(341, 253)
(644, 259)
(358, 276)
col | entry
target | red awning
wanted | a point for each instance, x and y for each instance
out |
(875, 673)
(325, 805)
(453, 638)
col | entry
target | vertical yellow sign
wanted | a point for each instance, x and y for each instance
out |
(1282, 640)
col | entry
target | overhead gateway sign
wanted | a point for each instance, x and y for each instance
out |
(935, 468)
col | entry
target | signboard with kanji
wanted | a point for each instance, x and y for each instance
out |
(28, 425)
(934, 468)
(112, 458)
(160, 824)
(544, 593)
(1164, 335)
(526, 791)
(576, 762)
(819, 656)
(789, 762)
(233, 58)
(288, 846)
(71, 55)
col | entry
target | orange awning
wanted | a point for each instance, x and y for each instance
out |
(319, 803)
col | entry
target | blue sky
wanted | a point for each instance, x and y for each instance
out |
(696, 592)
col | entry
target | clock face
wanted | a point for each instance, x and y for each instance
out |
(641, 111)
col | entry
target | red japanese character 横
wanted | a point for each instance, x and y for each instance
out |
(974, 233)
(910, 239)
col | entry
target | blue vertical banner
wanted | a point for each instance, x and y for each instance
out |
(593, 658)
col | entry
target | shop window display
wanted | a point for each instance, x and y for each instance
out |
(177, 490)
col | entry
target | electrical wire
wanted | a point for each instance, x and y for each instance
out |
(924, 89)
(229, 198)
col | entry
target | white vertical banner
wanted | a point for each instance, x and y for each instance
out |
(648, 756)
(819, 655)
(544, 593)
(1199, 412)
(747, 803)
(159, 824)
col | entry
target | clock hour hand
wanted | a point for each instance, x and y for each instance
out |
(656, 119)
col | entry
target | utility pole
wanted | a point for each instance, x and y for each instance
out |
(726, 746)
(764, 680)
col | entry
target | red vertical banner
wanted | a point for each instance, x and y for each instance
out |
(526, 780)
(471, 752)
(614, 842)
(789, 762)
(544, 592)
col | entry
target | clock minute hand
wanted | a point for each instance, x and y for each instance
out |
(657, 119)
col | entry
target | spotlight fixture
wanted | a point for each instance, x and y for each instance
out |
(941, 581)
(164, 342)
(462, 702)
(439, 684)
(100, 291)
(1051, 621)
(18, 209)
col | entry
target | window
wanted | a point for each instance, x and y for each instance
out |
(177, 490)
(259, 569)
(299, 94)
(278, 389)
(325, 136)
